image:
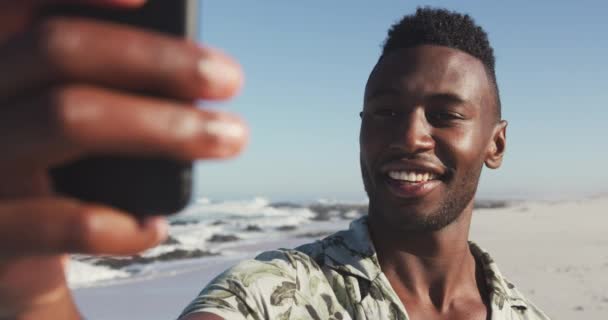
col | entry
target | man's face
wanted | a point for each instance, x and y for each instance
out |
(428, 126)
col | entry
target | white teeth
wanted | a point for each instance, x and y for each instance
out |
(411, 176)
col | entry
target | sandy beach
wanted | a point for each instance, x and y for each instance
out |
(555, 252)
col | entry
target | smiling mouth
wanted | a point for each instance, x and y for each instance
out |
(411, 184)
(412, 177)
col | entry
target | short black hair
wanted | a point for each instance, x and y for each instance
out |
(442, 27)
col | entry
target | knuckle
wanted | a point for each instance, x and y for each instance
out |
(162, 55)
(212, 146)
(65, 110)
(184, 128)
(214, 140)
(163, 58)
(82, 231)
(58, 42)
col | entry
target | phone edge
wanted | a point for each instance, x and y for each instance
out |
(192, 19)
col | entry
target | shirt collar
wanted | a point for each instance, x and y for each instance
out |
(352, 251)
(501, 291)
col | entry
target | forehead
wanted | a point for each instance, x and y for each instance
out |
(426, 70)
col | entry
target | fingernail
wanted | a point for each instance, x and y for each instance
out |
(224, 129)
(159, 225)
(219, 74)
(65, 261)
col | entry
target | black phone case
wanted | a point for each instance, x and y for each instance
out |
(141, 186)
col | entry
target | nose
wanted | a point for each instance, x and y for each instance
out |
(413, 135)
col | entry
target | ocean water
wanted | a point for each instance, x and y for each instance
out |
(217, 230)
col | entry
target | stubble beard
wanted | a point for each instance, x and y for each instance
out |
(448, 211)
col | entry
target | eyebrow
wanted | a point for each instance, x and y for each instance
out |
(382, 92)
(445, 97)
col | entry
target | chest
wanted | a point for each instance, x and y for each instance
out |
(460, 311)
(356, 298)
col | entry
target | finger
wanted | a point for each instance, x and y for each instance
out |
(19, 182)
(53, 226)
(77, 120)
(112, 3)
(24, 287)
(78, 50)
(16, 15)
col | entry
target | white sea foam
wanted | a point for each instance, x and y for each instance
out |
(195, 235)
(248, 222)
(258, 207)
(325, 201)
(232, 218)
(81, 274)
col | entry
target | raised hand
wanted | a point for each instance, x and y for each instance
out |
(70, 87)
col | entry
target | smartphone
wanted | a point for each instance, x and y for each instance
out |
(141, 186)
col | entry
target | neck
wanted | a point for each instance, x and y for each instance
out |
(429, 267)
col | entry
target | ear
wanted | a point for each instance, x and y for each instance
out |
(496, 148)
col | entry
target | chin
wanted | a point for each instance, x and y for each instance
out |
(418, 214)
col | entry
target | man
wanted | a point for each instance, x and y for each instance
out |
(431, 120)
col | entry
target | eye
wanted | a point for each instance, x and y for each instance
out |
(440, 117)
(384, 113)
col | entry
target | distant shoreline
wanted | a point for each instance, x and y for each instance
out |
(555, 252)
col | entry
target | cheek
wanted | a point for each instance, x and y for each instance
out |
(372, 140)
(463, 148)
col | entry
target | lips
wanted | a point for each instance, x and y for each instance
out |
(411, 176)
(412, 179)
(410, 190)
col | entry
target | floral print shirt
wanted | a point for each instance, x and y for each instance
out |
(338, 278)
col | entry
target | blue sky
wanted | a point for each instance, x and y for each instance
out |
(306, 64)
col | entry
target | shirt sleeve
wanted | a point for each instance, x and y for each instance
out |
(243, 291)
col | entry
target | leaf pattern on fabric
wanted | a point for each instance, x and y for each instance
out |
(393, 312)
(243, 309)
(266, 271)
(328, 302)
(304, 262)
(328, 280)
(314, 284)
(312, 312)
(282, 293)
(221, 294)
(339, 290)
(351, 290)
(236, 288)
(216, 301)
(499, 300)
(374, 259)
(285, 315)
(298, 283)
(364, 285)
(375, 292)
(338, 241)
(509, 284)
